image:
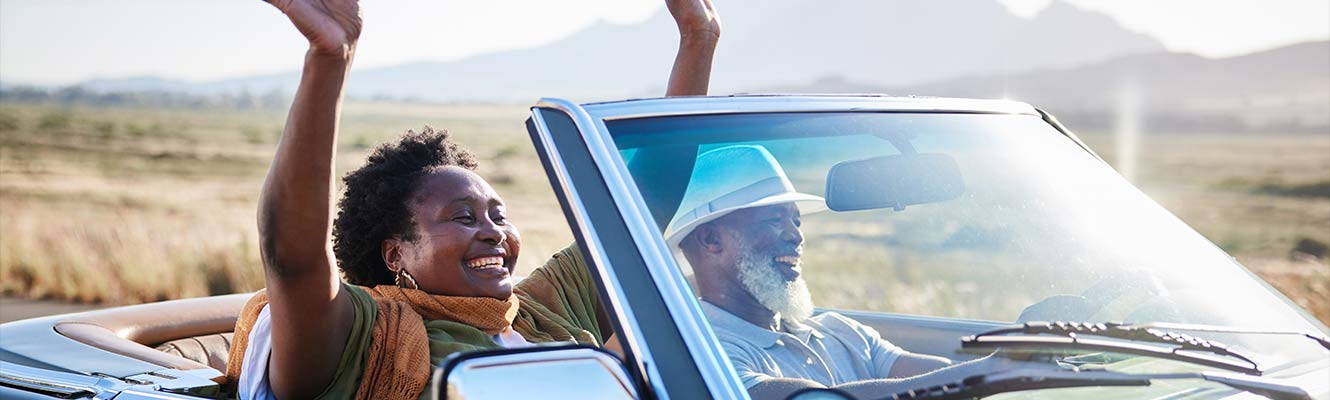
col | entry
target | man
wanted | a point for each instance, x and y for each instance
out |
(738, 226)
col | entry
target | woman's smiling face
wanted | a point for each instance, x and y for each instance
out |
(464, 244)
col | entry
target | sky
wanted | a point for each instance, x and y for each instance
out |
(60, 42)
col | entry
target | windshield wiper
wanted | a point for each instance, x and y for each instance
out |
(1161, 344)
(1322, 340)
(978, 386)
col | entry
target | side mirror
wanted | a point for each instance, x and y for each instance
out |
(540, 372)
(893, 181)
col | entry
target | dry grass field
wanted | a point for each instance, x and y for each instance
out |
(127, 205)
(1256, 196)
(132, 205)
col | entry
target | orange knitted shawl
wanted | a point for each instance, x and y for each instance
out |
(486, 314)
(397, 363)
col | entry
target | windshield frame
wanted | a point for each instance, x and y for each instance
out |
(710, 360)
(668, 279)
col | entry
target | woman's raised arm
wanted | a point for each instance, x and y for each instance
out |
(670, 167)
(699, 32)
(311, 316)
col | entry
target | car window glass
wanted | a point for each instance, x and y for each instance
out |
(1042, 230)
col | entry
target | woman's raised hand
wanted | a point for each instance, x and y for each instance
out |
(331, 26)
(695, 17)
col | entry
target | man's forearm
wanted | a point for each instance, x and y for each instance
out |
(878, 388)
(911, 364)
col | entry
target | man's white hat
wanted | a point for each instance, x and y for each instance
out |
(733, 178)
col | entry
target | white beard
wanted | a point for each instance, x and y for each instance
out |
(790, 300)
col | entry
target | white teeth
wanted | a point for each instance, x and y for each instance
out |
(787, 259)
(485, 262)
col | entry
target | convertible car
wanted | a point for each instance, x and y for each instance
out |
(955, 227)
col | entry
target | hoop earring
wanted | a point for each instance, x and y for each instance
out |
(402, 273)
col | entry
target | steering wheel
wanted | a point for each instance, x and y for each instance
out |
(1136, 295)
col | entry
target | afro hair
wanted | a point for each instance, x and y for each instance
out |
(376, 204)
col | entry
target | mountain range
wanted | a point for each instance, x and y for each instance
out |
(1081, 65)
(765, 43)
(1286, 88)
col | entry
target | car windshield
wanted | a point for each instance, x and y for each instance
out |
(967, 216)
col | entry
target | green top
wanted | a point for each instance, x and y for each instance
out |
(351, 367)
(559, 296)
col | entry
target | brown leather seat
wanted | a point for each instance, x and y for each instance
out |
(211, 350)
(128, 331)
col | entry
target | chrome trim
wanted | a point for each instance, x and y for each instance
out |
(632, 336)
(763, 104)
(133, 394)
(101, 386)
(1051, 120)
(67, 384)
(977, 325)
(712, 363)
(559, 375)
(196, 381)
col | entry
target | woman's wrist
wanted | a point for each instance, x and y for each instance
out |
(343, 52)
(324, 73)
(699, 38)
(700, 45)
(330, 57)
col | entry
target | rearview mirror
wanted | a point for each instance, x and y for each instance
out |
(893, 181)
(541, 372)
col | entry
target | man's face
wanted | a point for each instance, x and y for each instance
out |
(771, 235)
(767, 249)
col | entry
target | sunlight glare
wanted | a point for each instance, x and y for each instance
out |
(1128, 128)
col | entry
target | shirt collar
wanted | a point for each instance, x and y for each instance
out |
(803, 329)
(724, 321)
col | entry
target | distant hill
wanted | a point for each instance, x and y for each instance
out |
(1285, 88)
(765, 43)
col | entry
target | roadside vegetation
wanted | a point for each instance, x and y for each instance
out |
(1261, 197)
(127, 204)
(133, 204)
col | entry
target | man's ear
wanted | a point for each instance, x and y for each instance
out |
(709, 238)
(391, 251)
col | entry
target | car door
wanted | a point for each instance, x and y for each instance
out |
(667, 343)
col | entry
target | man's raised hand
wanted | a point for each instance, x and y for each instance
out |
(695, 17)
(331, 26)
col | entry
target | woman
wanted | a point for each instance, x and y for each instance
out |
(422, 239)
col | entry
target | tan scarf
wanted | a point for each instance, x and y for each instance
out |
(397, 363)
(489, 315)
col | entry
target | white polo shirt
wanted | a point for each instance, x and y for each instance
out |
(828, 348)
